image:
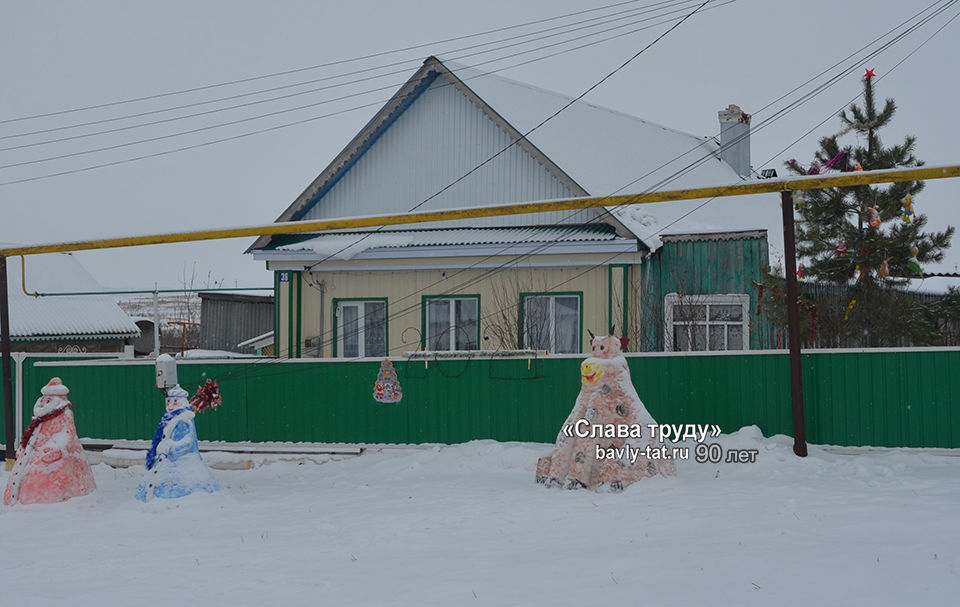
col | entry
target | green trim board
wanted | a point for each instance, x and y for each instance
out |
(335, 304)
(276, 313)
(299, 276)
(625, 294)
(289, 314)
(524, 295)
(423, 314)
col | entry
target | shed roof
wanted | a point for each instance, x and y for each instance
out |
(67, 317)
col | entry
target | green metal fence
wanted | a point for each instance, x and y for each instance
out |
(892, 398)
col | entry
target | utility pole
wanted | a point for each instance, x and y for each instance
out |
(793, 325)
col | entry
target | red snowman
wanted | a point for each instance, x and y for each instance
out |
(51, 465)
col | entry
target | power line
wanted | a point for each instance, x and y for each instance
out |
(821, 88)
(273, 128)
(323, 65)
(575, 26)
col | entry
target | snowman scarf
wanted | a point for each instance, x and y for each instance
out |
(158, 436)
(36, 421)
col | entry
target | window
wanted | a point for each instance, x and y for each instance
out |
(361, 327)
(706, 323)
(451, 323)
(551, 321)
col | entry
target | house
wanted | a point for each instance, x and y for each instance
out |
(54, 322)
(453, 137)
(227, 319)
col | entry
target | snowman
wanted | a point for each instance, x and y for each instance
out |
(174, 466)
(582, 459)
(51, 465)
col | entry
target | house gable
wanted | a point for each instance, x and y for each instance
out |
(437, 145)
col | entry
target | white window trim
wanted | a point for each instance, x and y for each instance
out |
(729, 299)
(452, 321)
(552, 319)
(361, 326)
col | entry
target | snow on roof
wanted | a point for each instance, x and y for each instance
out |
(199, 354)
(258, 342)
(74, 317)
(608, 152)
(933, 284)
(347, 245)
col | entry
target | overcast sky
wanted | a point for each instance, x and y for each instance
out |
(65, 55)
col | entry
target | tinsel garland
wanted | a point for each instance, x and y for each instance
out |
(207, 396)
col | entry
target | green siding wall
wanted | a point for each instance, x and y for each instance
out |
(886, 398)
(701, 267)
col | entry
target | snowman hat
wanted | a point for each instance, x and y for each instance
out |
(55, 387)
(177, 392)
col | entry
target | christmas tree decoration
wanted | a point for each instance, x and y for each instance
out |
(798, 201)
(869, 74)
(51, 465)
(908, 208)
(912, 264)
(207, 396)
(174, 466)
(584, 460)
(800, 271)
(853, 302)
(818, 169)
(875, 223)
(387, 389)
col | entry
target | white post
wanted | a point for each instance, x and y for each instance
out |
(156, 324)
(18, 359)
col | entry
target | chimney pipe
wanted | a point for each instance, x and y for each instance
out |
(735, 139)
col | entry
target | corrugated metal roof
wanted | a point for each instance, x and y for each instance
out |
(70, 317)
(607, 151)
(346, 245)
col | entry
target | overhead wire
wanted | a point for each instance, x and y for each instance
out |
(281, 126)
(575, 26)
(327, 64)
(283, 111)
(823, 87)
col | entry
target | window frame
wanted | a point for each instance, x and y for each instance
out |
(552, 295)
(425, 326)
(706, 300)
(338, 326)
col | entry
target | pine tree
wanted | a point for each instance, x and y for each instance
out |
(863, 243)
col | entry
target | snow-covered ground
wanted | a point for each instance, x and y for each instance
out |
(467, 525)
